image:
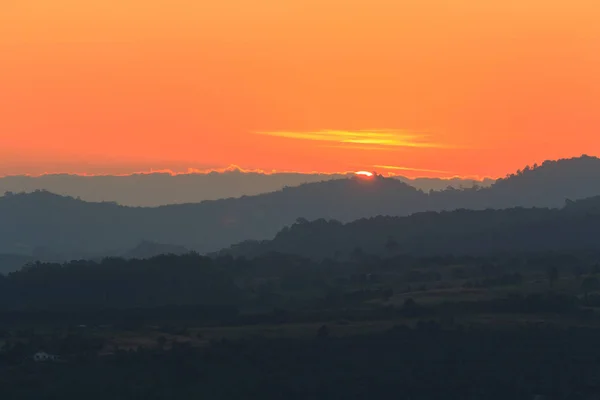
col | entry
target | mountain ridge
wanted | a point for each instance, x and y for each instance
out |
(574, 227)
(49, 225)
(156, 189)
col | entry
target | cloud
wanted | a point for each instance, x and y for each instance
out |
(354, 147)
(186, 171)
(380, 138)
(398, 168)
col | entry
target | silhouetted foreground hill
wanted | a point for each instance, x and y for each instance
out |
(144, 250)
(115, 282)
(576, 227)
(283, 327)
(49, 226)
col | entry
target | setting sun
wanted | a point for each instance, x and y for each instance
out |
(364, 173)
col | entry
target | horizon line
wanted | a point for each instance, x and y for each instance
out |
(258, 171)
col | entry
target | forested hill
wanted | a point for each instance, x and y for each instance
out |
(12, 262)
(49, 226)
(575, 227)
(547, 185)
(52, 226)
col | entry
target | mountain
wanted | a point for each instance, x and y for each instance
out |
(147, 249)
(54, 227)
(12, 262)
(162, 281)
(545, 185)
(438, 184)
(575, 227)
(156, 189)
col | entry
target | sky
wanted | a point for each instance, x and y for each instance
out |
(416, 87)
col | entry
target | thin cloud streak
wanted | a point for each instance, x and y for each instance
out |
(388, 138)
(187, 171)
(398, 168)
(352, 147)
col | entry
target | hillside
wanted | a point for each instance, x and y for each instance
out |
(146, 249)
(12, 262)
(575, 227)
(55, 227)
(547, 185)
(156, 189)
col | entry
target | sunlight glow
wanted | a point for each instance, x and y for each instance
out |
(398, 168)
(364, 173)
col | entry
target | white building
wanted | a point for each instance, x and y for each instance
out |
(42, 356)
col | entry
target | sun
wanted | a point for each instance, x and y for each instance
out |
(364, 173)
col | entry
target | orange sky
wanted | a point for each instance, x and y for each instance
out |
(452, 87)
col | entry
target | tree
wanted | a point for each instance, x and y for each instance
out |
(411, 308)
(323, 332)
(552, 275)
(161, 341)
(459, 273)
(589, 284)
(410, 303)
(577, 271)
(391, 245)
(358, 254)
(387, 294)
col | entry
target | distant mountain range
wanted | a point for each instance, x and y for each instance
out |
(12, 262)
(49, 226)
(156, 189)
(147, 249)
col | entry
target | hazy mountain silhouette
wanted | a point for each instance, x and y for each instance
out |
(157, 189)
(438, 184)
(12, 262)
(575, 227)
(147, 249)
(72, 228)
(52, 226)
(546, 185)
